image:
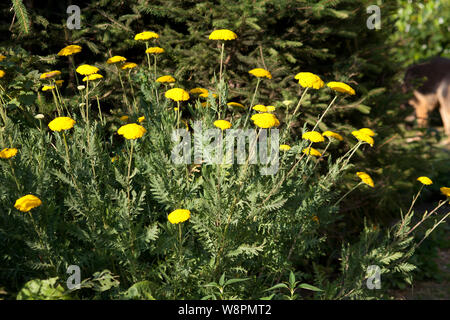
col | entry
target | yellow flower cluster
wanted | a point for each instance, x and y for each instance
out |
(146, 35)
(311, 151)
(69, 50)
(222, 34)
(177, 94)
(50, 74)
(166, 79)
(178, 216)
(8, 153)
(116, 59)
(364, 137)
(86, 69)
(331, 134)
(313, 136)
(260, 73)
(154, 50)
(265, 120)
(222, 124)
(131, 131)
(365, 178)
(309, 80)
(61, 123)
(28, 202)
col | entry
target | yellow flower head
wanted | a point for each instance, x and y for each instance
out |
(260, 108)
(285, 147)
(363, 137)
(61, 123)
(46, 88)
(222, 34)
(179, 215)
(128, 65)
(166, 79)
(222, 124)
(177, 94)
(146, 35)
(198, 90)
(131, 131)
(115, 158)
(69, 50)
(425, 180)
(2, 73)
(313, 136)
(341, 87)
(445, 191)
(2, 57)
(311, 151)
(367, 131)
(365, 178)
(331, 134)
(124, 118)
(28, 202)
(270, 108)
(260, 73)
(154, 50)
(59, 82)
(235, 104)
(141, 119)
(116, 59)
(265, 120)
(50, 74)
(207, 94)
(86, 69)
(8, 153)
(91, 77)
(309, 80)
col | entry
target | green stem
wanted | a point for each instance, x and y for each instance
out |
(251, 103)
(123, 90)
(348, 192)
(323, 115)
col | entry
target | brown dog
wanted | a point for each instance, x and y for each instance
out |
(431, 83)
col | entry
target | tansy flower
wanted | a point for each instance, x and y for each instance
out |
(46, 88)
(260, 108)
(425, 180)
(331, 134)
(341, 87)
(59, 82)
(69, 50)
(61, 123)
(222, 34)
(235, 104)
(8, 153)
(309, 80)
(2, 57)
(124, 118)
(28, 202)
(115, 158)
(313, 136)
(146, 35)
(131, 131)
(164, 79)
(260, 73)
(270, 108)
(207, 94)
(116, 59)
(92, 77)
(285, 147)
(312, 152)
(86, 70)
(128, 65)
(367, 131)
(179, 215)
(445, 191)
(363, 137)
(265, 120)
(366, 178)
(2, 73)
(50, 74)
(177, 94)
(222, 124)
(141, 119)
(198, 90)
(154, 50)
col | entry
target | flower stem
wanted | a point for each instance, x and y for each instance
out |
(251, 103)
(348, 192)
(323, 115)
